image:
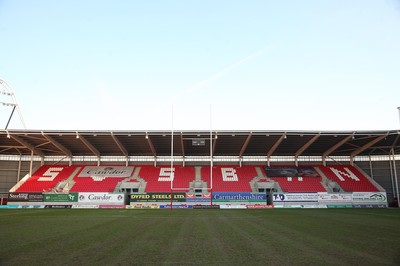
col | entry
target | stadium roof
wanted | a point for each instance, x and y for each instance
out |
(197, 143)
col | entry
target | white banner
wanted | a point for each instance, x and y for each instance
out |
(99, 173)
(334, 197)
(369, 197)
(296, 197)
(100, 198)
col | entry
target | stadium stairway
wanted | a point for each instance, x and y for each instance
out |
(348, 179)
(65, 185)
(124, 184)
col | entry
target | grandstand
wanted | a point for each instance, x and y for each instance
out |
(258, 162)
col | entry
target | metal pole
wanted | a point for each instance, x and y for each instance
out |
(211, 156)
(395, 178)
(172, 149)
(9, 119)
(19, 168)
(31, 165)
(371, 173)
(391, 176)
(398, 108)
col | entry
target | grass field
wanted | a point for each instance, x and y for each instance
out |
(200, 237)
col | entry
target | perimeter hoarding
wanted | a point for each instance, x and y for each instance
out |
(25, 197)
(203, 198)
(158, 197)
(370, 197)
(100, 198)
(238, 197)
(335, 198)
(296, 197)
(70, 197)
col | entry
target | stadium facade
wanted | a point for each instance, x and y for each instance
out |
(374, 154)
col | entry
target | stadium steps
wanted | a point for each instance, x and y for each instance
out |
(197, 172)
(134, 177)
(65, 185)
(260, 172)
(330, 185)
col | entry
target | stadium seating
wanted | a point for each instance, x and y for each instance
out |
(158, 178)
(349, 178)
(300, 184)
(225, 179)
(87, 184)
(229, 178)
(46, 178)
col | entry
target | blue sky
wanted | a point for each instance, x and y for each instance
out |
(260, 65)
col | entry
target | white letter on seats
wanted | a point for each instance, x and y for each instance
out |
(166, 174)
(50, 174)
(229, 174)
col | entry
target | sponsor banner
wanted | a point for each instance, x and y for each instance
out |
(158, 197)
(70, 197)
(25, 197)
(259, 206)
(99, 173)
(197, 200)
(309, 206)
(334, 197)
(203, 198)
(85, 206)
(143, 206)
(339, 206)
(8, 206)
(179, 206)
(296, 197)
(30, 206)
(230, 206)
(101, 198)
(111, 206)
(206, 207)
(58, 206)
(369, 197)
(238, 197)
(380, 206)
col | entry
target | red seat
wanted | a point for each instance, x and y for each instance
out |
(46, 178)
(349, 178)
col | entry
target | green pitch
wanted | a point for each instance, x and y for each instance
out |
(200, 237)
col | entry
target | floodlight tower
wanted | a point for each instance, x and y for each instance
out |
(11, 101)
(398, 108)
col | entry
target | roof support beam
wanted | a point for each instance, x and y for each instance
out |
(27, 145)
(89, 145)
(183, 149)
(334, 148)
(366, 146)
(243, 149)
(119, 144)
(153, 150)
(305, 147)
(58, 145)
(275, 146)
(213, 145)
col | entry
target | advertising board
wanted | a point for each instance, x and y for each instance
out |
(238, 197)
(296, 197)
(158, 197)
(100, 198)
(369, 197)
(25, 197)
(69, 197)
